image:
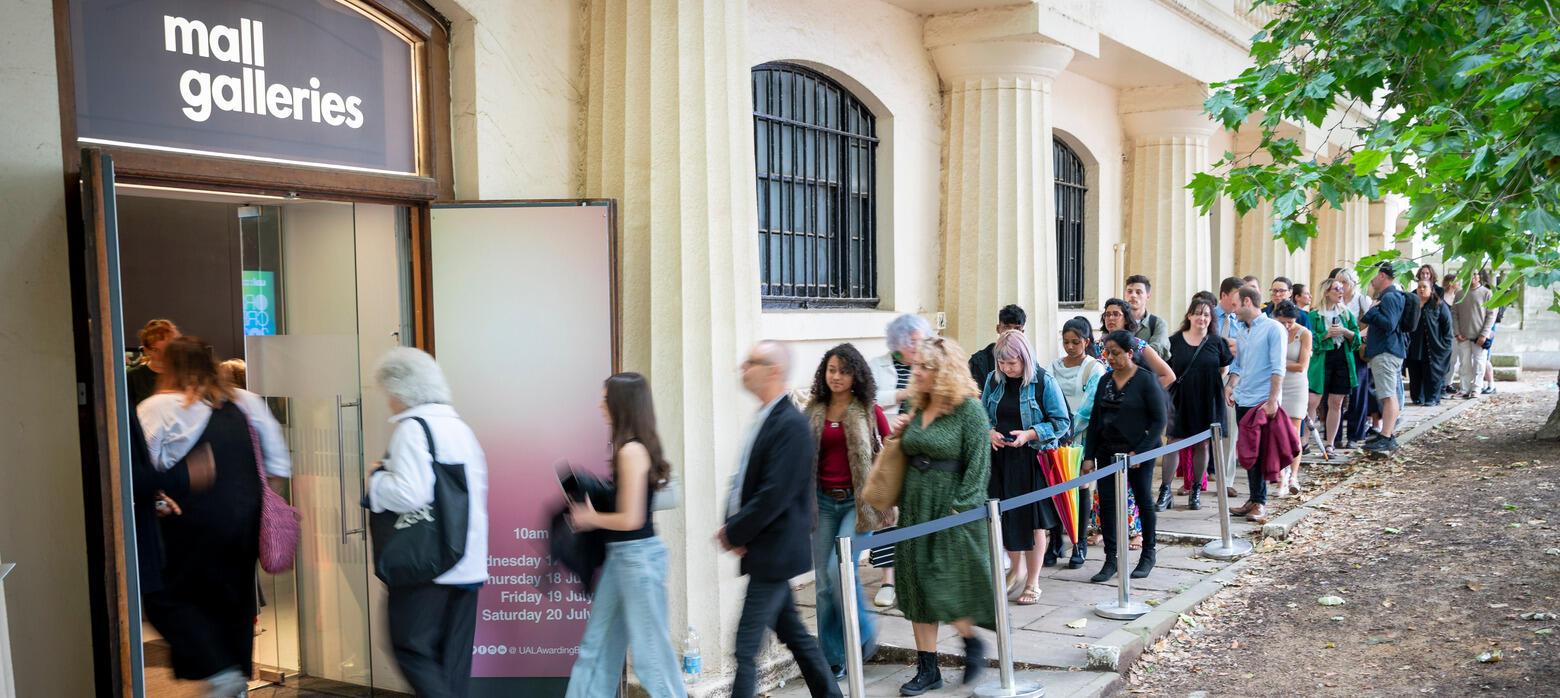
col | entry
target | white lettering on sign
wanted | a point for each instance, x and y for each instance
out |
(247, 92)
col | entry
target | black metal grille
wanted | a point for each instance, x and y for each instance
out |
(1071, 193)
(815, 150)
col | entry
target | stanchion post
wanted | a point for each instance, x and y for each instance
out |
(855, 672)
(1006, 686)
(1122, 608)
(1226, 547)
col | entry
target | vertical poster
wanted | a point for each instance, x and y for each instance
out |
(259, 291)
(523, 327)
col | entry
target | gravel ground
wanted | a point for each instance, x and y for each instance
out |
(1441, 557)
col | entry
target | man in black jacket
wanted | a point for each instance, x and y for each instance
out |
(770, 517)
(983, 362)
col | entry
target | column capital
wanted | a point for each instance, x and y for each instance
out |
(1165, 110)
(1000, 59)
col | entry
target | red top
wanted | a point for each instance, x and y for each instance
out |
(833, 456)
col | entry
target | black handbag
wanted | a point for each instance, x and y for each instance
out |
(415, 547)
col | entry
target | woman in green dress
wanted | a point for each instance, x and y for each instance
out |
(944, 577)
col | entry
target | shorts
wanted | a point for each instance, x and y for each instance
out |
(1337, 379)
(1386, 373)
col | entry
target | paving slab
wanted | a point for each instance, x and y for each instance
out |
(882, 680)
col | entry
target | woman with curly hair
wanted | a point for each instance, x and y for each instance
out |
(849, 429)
(944, 577)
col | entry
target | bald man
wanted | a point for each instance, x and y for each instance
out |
(769, 523)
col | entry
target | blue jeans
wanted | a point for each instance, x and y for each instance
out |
(628, 611)
(836, 517)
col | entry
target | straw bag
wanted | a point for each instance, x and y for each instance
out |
(279, 529)
(886, 480)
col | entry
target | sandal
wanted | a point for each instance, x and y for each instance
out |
(1135, 543)
(1014, 581)
(1030, 597)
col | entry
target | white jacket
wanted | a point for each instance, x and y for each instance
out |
(172, 429)
(886, 378)
(405, 482)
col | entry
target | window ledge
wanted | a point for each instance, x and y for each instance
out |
(843, 324)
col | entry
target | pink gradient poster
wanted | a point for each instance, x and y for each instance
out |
(522, 308)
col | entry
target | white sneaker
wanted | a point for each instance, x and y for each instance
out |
(885, 597)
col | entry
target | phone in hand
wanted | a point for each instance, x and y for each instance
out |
(1009, 438)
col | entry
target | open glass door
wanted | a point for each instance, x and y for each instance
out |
(301, 324)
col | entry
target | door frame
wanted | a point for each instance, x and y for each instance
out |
(113, 598)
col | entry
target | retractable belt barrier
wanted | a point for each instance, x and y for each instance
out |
(1122, 607)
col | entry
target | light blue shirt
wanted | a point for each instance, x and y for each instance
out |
(1260, 357)
(734, 500)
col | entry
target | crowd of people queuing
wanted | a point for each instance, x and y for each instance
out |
(970, 427)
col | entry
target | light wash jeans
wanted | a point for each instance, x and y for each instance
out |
(835, 518)
(627, 612)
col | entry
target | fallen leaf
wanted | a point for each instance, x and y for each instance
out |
(1330, 601)
(1489, 657)
(1499, 605)
(1386, 603)
(1330, 646)
(1539, 615)
(1391, 531)
(1544, 631)
(1337, 618)
(1508, 506)
(1078, 624)
(1552, 551)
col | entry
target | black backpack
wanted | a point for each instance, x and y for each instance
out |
(1409, 320)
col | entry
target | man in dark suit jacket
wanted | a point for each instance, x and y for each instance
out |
(770, 517)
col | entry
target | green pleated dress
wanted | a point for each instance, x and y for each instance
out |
(946, 576)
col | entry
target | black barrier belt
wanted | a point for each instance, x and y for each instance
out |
(863, 541)
(1172, 447)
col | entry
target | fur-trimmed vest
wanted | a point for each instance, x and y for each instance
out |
(862, 443)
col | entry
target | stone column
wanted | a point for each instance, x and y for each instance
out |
(1330, 248)
(1167, 238)
(1356, 229)
(999, 230)
(1258, 253)
(668, 134)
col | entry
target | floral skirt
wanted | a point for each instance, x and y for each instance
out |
(1133, 524)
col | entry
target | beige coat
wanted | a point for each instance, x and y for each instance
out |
(862, 443)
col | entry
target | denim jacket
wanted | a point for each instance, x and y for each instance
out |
(1047, 415)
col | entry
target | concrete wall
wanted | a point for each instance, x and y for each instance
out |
(873, 49)
(517, 97)
(42, 526)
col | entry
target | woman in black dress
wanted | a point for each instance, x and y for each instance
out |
(200, 431)
(1129, 415)
(1429, 347)
(1199, 358)
(1029, 415)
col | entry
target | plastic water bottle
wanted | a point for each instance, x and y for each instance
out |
(692, 666)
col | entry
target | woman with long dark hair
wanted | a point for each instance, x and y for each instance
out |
(849, 428)
(1199, 357)
(1129, 415)
(205, 433)
(628, 610)
(1430, 346)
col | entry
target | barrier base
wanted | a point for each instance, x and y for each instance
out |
(1020, 689)
(1236, 550)
(1114, 610)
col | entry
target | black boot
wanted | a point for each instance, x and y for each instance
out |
(1166, 499)
(1080, 552)
(1107, 570)
(974, 659)
(928, 677)
(1194, 500)
(1145, 565)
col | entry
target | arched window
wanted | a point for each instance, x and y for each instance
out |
(1071, 192)
(815, 149)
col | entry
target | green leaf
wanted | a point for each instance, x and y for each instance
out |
(1537, 221)
(1367, 160)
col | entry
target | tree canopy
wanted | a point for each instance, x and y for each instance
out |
(1466, 100)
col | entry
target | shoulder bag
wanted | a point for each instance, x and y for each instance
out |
(418, 546)
(886, 480)
(279, 528)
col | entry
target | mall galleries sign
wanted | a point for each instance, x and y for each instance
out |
(327, 83)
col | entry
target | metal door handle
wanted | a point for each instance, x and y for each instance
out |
(341, 467)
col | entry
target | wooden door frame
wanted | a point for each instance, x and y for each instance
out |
(102, 488)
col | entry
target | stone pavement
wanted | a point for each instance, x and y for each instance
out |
(1060, 656)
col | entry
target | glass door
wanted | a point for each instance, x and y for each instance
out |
(300, 314)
